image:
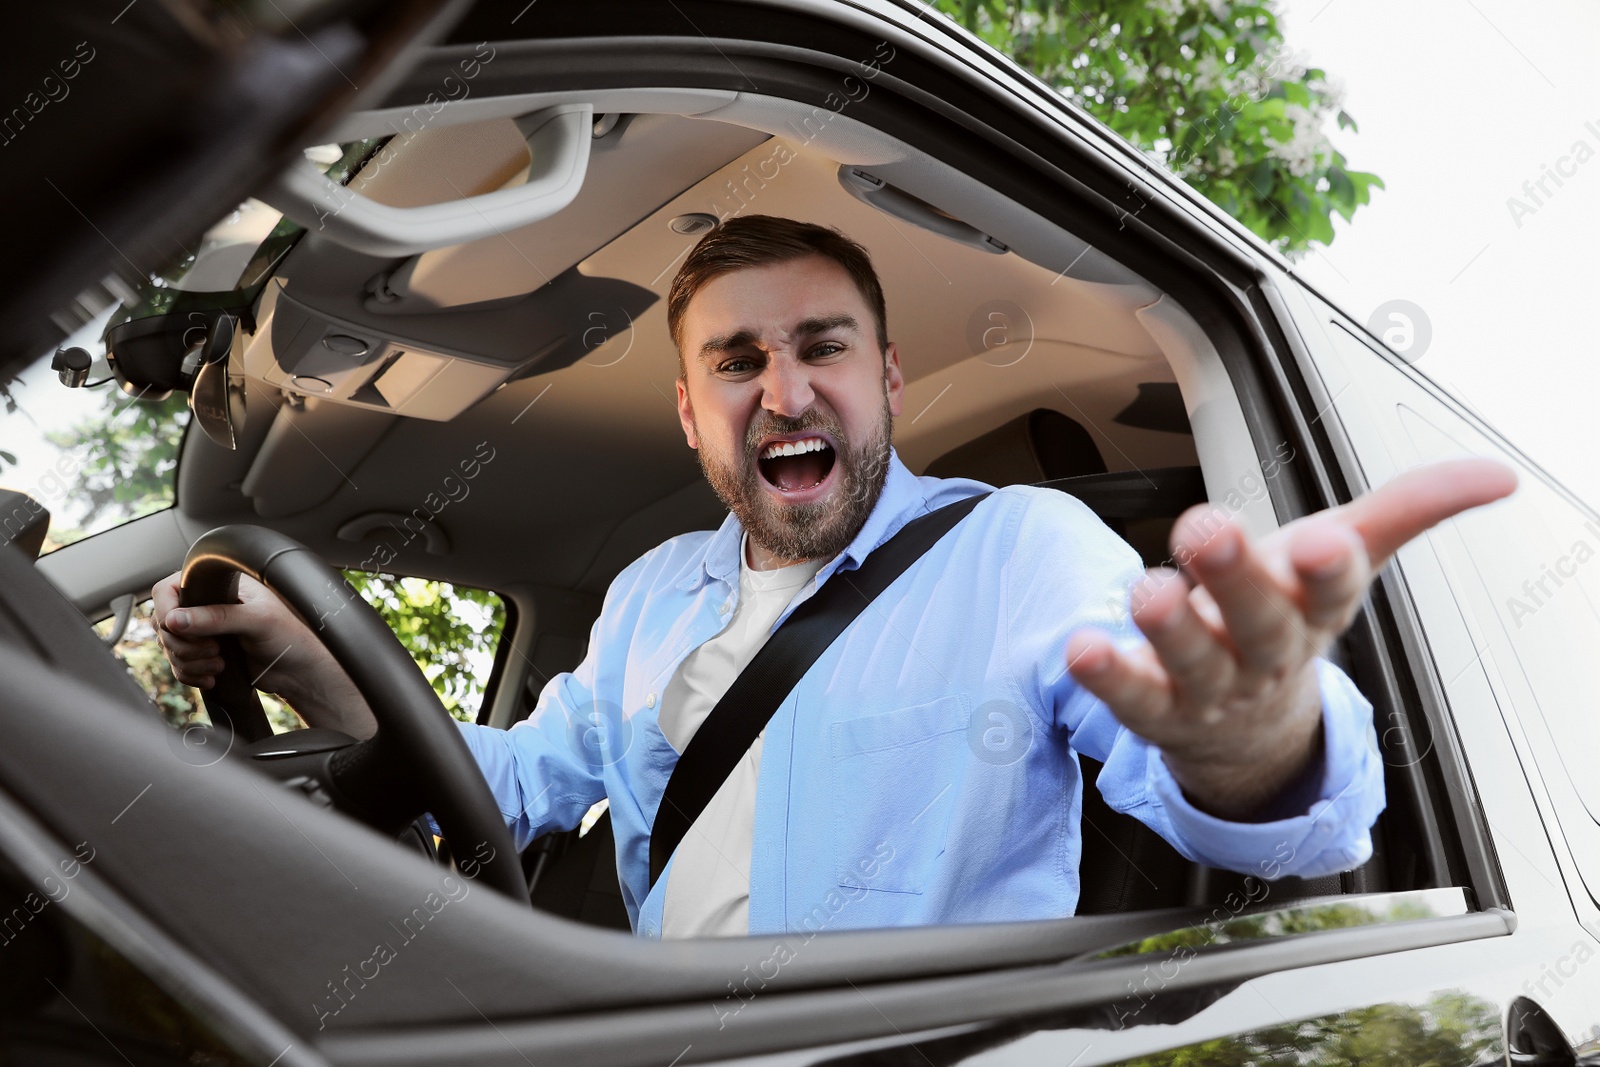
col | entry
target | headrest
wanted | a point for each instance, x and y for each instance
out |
(1035, 447)
(23, 522)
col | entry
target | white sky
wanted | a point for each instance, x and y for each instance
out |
(1459, 103)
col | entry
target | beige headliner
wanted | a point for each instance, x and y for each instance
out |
(590, 466)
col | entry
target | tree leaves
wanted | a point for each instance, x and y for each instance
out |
(445, 627)
(126, 457)
(1208, 89)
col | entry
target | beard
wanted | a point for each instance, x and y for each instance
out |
(817, 530)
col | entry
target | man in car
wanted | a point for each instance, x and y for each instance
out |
(923, 771)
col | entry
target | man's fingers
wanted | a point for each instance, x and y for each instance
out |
(1199, 666)
(1136, 692)
(188, 635)
(1411, 503)
(165, 593)
(163, 598)
(200, 671)
(189, 650)
(207, 620)
(194, 660)
(1263, 623)
(1330, 559)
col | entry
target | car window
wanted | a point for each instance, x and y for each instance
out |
(1524, 580)
(452, 632)
(94, 457)
(1527, 574)
(180, 704)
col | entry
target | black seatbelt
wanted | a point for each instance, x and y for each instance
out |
(750, 702)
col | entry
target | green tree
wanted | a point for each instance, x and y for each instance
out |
(445, 628)
(126, 455)
(1207, 88)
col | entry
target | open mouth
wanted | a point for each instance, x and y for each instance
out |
(797, 465)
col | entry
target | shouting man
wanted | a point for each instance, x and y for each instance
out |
(924, 770)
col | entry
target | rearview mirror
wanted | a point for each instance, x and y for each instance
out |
(217, 394)
(155, 356)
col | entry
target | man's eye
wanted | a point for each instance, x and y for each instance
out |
(828, 348)
(737, 366)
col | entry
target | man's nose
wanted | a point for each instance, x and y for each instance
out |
(786, 387)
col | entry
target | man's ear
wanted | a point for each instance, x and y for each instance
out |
(894, 380)
(686, 414)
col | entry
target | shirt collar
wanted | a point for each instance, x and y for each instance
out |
(901, 501)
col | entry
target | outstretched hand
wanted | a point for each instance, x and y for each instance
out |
(1226, 685)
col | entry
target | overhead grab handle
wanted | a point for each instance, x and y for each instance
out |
(558, 145)
(874, 191)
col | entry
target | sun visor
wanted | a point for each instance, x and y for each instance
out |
(330, 344)
(309, 454)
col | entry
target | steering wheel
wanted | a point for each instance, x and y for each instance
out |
(417, 762)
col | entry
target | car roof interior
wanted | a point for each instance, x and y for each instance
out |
(590, 468)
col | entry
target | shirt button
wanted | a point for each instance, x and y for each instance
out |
(722, 608)
(650, 701)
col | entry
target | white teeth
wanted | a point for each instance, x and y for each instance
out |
(793, 448)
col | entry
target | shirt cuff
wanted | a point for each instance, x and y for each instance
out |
(1332, 835)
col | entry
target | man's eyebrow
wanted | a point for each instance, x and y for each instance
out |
(823, 324)
(804, 328)
(737, 339)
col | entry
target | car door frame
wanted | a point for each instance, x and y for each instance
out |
(995, 974)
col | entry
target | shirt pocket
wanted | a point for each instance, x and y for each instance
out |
(895, 779)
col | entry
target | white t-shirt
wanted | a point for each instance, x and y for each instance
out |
(708, 891)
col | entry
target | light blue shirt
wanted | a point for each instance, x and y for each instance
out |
(924, 770)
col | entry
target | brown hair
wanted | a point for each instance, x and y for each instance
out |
(760, 240)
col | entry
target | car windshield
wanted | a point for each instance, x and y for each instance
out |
(94, 457)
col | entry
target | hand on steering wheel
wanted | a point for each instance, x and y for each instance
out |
(281, 653)
(416, 762)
